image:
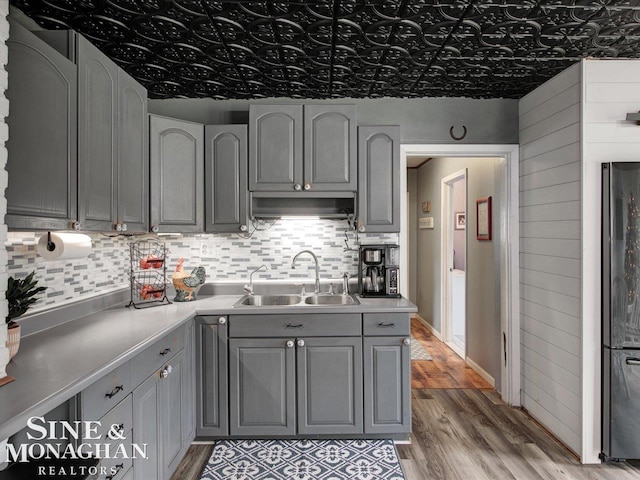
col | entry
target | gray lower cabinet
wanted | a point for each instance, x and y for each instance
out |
(158, 419)
(329, 374)
(387, 385)
(176, 176)
(226, 178)
(379, 179)
(212, 405)
(42, 161)
(262, 386)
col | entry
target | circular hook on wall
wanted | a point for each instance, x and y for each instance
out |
(464, 133)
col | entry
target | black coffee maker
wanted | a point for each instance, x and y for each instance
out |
(378, 270)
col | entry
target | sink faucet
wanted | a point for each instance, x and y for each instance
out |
(315, 259)
(249, 288)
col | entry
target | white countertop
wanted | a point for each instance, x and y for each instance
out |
(55, 364)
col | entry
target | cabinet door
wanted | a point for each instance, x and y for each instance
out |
(189, 391)
(379, 179)
(177, 170)
(330, 161)
(212, 417)
(97, 137)
(261, 387)
(226, 178)
(133, 164)
(146, 430)
(387, 385)
(329, 385)
(275, 147)
(172, 419)
(42, 145)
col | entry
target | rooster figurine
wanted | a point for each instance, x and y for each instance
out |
(185, 284)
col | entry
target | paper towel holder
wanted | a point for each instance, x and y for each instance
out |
(50, 245)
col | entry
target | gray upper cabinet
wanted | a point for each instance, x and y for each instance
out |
(275, 148)
(226, 178)
(133, 155)
(42, 145)
(113, 162)
(177, 170)
(329, 372)
(302, 148)
(97, 137)
(379, 179)
(212, 406)
(330, 161)
(387, 385)
(262, 386)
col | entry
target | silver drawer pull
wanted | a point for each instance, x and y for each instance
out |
(632, 361)
(294, 325)
(166, 371)
(164, 352)
(386, 325)
(113, 392)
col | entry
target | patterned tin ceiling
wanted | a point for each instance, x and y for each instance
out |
(347, 48)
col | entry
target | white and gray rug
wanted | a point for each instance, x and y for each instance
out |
(418, 352)
(303, 460)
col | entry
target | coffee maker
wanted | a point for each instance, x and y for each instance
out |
(378, 270)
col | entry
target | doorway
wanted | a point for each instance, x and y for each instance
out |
(453, 257)
(505, 274)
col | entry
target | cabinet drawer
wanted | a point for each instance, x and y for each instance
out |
(157, 354)
(121, 416)
(106, 393)
(295, 325)
(385, 324)
(117, 468)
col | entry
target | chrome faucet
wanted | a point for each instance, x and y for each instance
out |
(345, 283)
(249, 288)
(315, 259)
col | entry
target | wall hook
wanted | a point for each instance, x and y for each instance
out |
(464, 134)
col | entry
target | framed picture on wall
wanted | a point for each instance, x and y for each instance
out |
(460, 220)
(483, 218)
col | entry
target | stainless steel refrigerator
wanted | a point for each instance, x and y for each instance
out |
(620, 311)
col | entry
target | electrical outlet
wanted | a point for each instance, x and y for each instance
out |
(204, 249)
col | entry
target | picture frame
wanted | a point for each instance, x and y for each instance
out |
(460, 220)
(483, 218)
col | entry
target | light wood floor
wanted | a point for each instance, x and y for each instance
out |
(462, 430)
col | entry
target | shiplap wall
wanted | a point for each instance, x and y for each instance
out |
(550, 255)
(611, 89)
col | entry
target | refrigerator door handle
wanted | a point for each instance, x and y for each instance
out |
(632, 361)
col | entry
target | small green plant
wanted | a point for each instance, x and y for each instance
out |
(21, 295)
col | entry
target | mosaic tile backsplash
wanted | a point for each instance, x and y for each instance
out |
(226, 257)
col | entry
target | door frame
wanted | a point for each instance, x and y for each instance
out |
(446, 260)
(507, 214)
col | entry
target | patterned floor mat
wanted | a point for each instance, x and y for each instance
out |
(303, 460)
(418, 352)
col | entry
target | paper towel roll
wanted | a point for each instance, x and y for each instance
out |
(64, 246)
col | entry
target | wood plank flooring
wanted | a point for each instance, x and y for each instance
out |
(446, 370)
(462, 430)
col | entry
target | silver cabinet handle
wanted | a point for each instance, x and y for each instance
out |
(222, 320)
(297, 187)
(361, 228)
(407, 341)
(118, 227)
(301, 343)
(166, 371)
(632, 361)
(290, 344)
(155, 229)
(76, 225)
(243, 228)
(124, 227)
(307, 186)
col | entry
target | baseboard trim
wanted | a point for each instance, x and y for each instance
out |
(480, 371)
(429, 326)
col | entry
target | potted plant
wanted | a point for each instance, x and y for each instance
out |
(21, 295)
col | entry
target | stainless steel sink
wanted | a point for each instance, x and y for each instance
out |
(264, 300)
(330, 300)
